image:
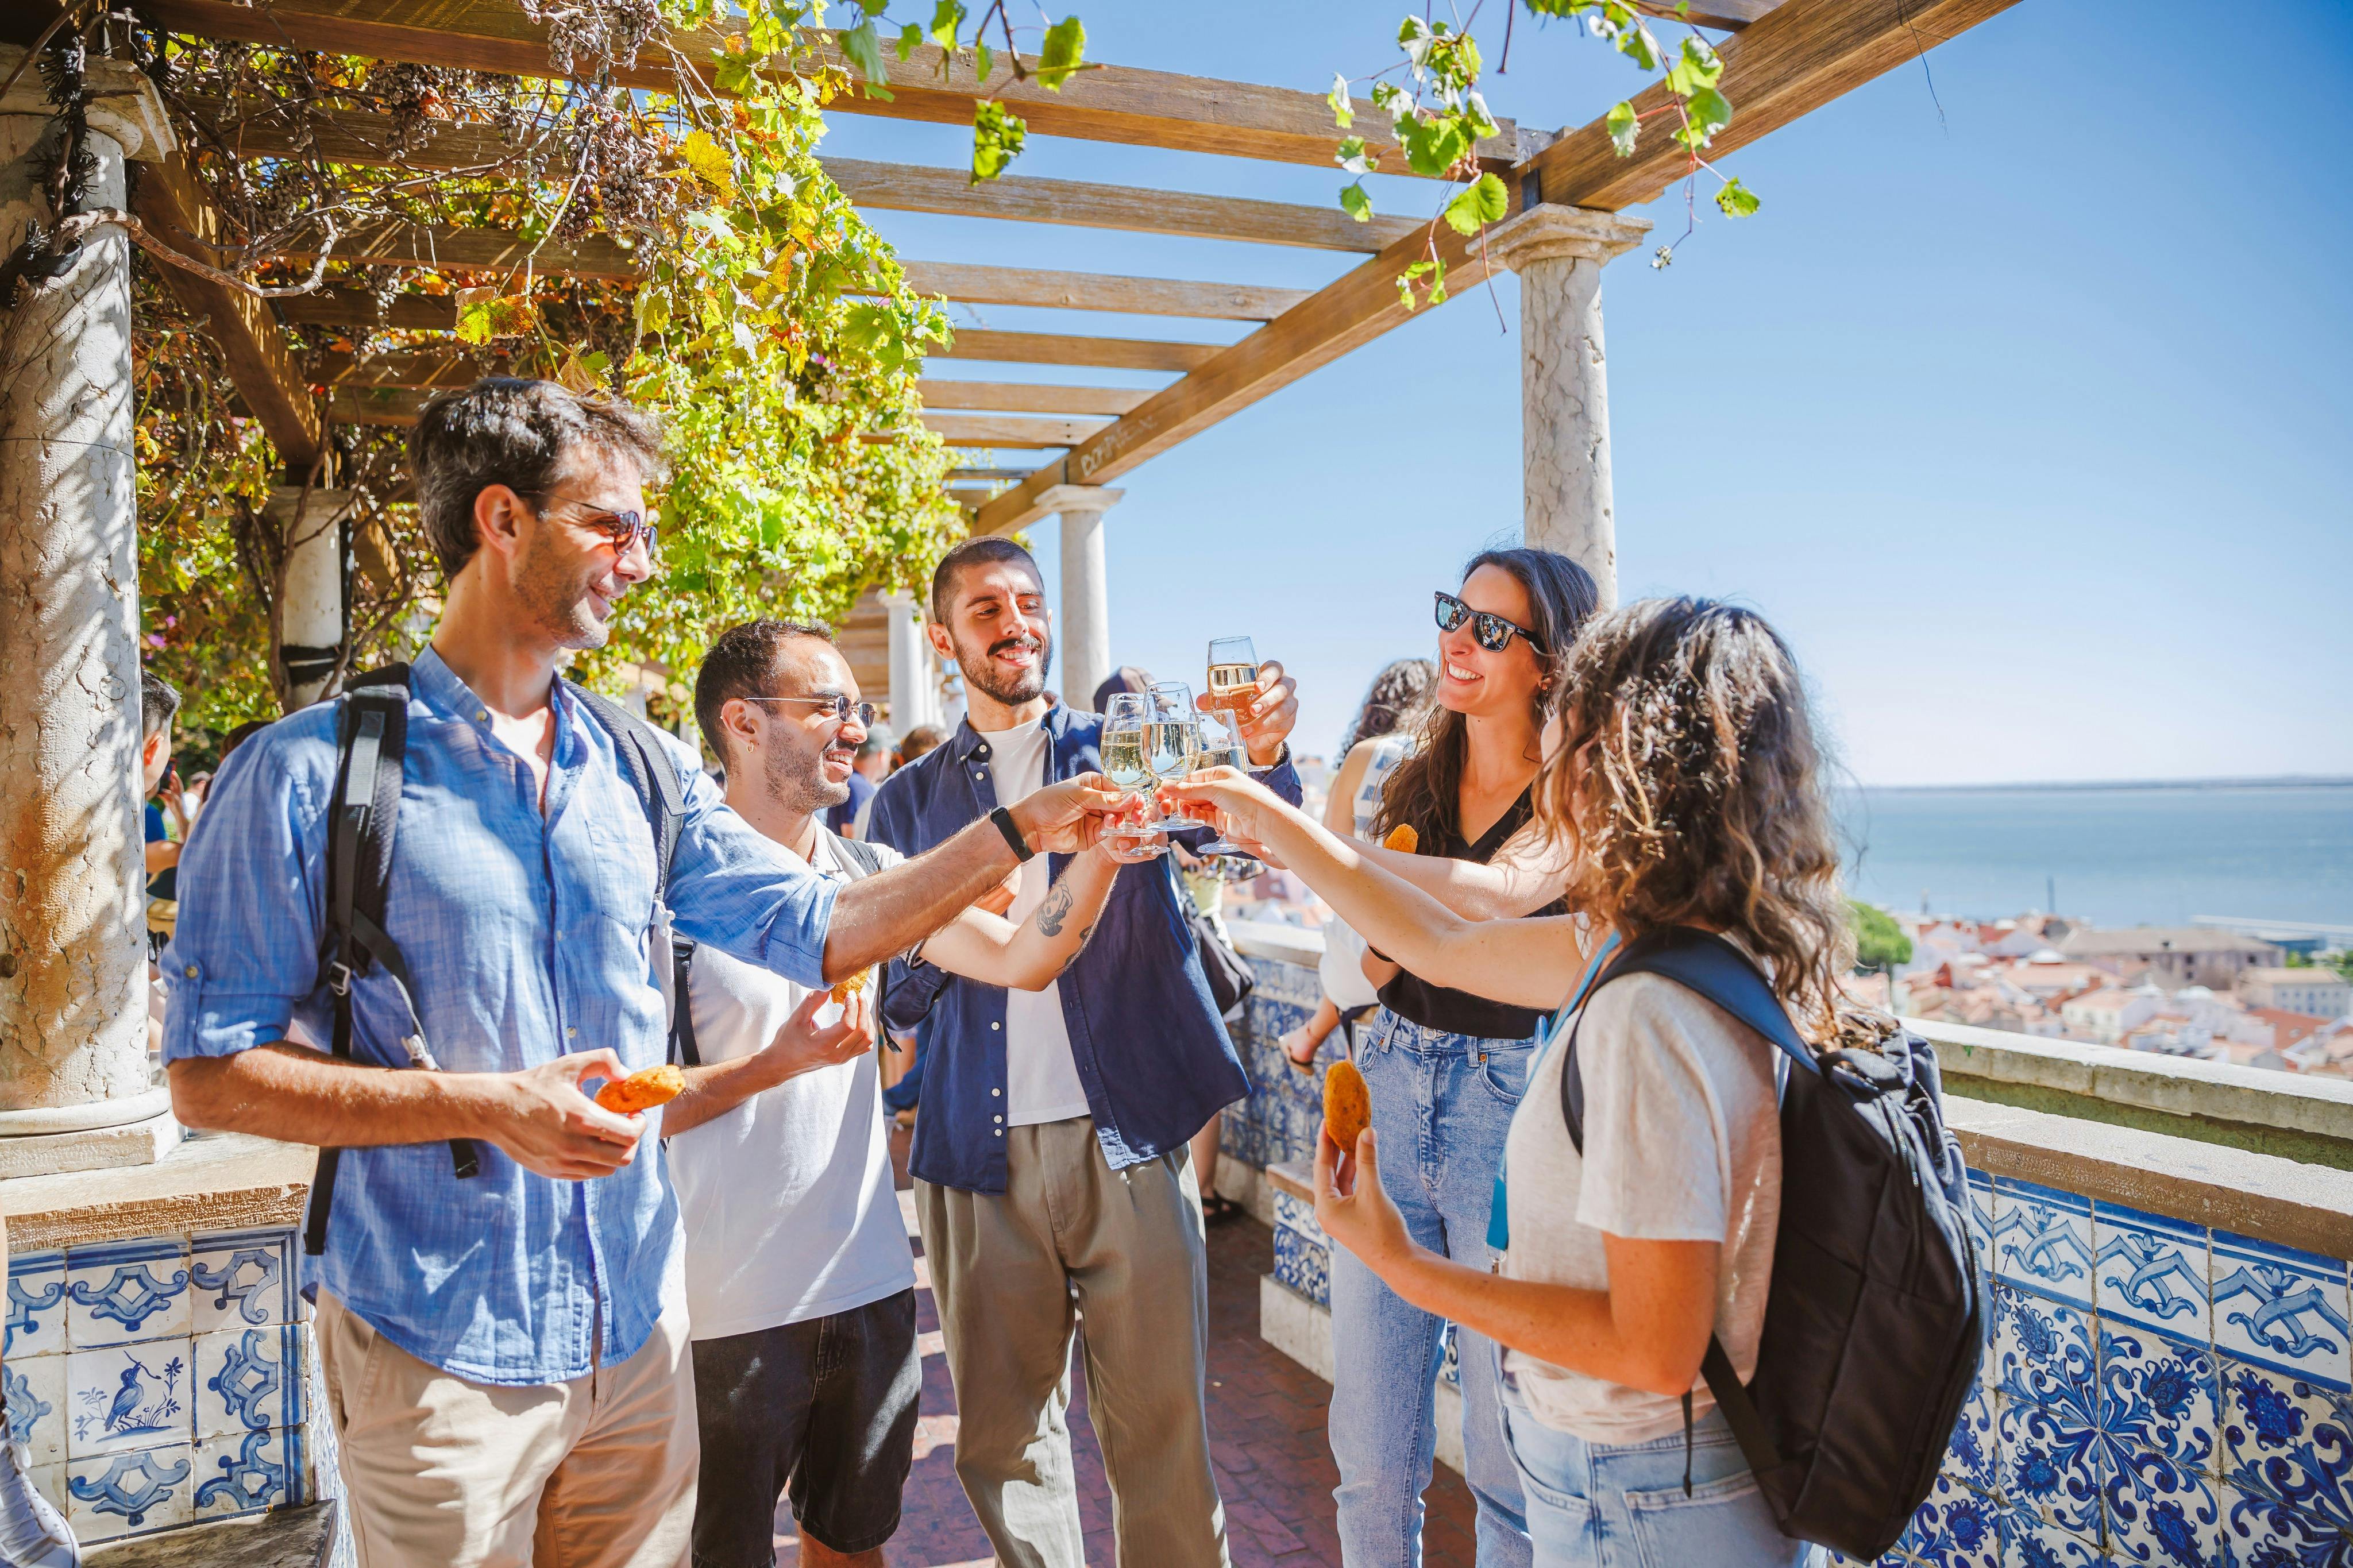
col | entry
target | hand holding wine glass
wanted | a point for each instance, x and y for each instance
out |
(1261, 701)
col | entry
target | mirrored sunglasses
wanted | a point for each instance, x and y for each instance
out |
(1491, 632)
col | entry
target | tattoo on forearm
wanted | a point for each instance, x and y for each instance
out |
(1055, 910)
(1085, 937)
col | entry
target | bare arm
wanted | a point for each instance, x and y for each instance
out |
(538, 1116)
(898, 907)
(1526, 875)
(1524, 963)
(993, 951)
(801, 1046)
(1648, 1331)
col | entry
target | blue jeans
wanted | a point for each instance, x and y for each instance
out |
(1598, 1505)
(1441, 1105)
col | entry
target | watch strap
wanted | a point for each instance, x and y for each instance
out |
(1004, 820)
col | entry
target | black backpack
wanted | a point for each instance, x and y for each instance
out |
(372, 750)
(1874, 1326)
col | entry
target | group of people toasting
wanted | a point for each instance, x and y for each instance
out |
(611, 1348)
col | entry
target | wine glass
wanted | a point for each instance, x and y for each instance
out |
(1233, 674)
(1126, 762)
(1219, 744)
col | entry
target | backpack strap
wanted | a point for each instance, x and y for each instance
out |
(371, 742)
(654, 774)
(1707, 965)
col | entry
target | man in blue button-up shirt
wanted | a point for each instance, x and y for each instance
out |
(1050, 1151)
(506, 1354)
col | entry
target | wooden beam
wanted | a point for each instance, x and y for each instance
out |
(353, 308)
(1049, 348)
(447, 248)
(1791, 60)
(1021, 397)
(256, 128)
(1106, 103)
(1727, 15)
(978, 285)
(377, 405)
(1786, 65)
(431, 368)
(1009, 431)
(168, 200)
(915, 187)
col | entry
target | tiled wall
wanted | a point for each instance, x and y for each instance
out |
(2153, 1393)
(162, 1381)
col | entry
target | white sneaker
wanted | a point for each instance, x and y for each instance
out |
(33, 1534)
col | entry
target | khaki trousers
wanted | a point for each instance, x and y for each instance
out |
(443, 1473)
(1004, 1269)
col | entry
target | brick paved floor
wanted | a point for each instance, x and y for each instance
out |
(1266, 1431)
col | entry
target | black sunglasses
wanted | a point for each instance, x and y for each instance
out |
(1493, 631)
(621, 529)
(843, 707)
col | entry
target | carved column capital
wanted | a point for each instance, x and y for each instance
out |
(1550, 231)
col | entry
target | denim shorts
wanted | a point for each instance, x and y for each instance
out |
(1600, 1505)
(824, 1410)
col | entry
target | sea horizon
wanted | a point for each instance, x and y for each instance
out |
(2262, 780)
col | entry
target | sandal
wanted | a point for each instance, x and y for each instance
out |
(1216, 1207)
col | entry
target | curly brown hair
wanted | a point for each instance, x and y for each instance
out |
(1689, 783)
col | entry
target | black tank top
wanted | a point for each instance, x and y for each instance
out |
(1456, 1012)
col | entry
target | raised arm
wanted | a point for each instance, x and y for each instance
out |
(992, 950)
(1529, 872)
(1524, 963)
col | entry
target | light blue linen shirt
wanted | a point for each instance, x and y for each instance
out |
(527, 934)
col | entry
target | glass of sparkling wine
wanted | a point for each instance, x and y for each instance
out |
(1127, 728)
(1220, 745)
(1233, 674)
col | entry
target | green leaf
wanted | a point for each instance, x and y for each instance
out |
(862, 46)
(1710, 109)
(1695, 67)
(1065, 51)
(1355, 157)
(910, 38)
(982, 59)
(1623, 127)
(996, 138)
(1736, 200)
(947, 19)
(1494, 201)
(1637, 45)
(1344, 109)
(876, 7)
(1356, 203)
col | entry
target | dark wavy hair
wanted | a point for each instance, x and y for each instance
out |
(1425, 790)
(1690, 782)
(1396, 699)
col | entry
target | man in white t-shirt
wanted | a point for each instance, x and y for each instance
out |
(800, 1284)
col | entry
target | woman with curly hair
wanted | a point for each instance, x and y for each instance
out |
(1688, 789)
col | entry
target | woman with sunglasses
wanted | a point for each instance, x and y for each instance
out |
(1446, 1067)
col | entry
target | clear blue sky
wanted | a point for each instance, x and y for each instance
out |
(2018, 422)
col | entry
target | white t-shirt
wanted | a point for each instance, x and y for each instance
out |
(1683, 1142)
(788, 1199)
(1042, 1076)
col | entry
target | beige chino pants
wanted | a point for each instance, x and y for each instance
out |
(1003, 1272)
(442, 1473)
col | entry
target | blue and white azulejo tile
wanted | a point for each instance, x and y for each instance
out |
(1302, 1265)
(2157, 1512)
(36, 1304)
(119, 1292)
(246, 1471)
(2042, 1240)
(244, 1278)
(1299, 1214)
(2030, 1542)
(2051, 1467)
(36, 1387)
(1955, 1527)
(2043, 1353)
(248, 1380)
(1970, 1457)
(2283, 1308)
(120, 1398)
(2287, 1448)
(123, 1494)
(2159, 1394)
(2151, 1271)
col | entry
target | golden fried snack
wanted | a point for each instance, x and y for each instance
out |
(1348, 1104)
(850, 986)
(1402, 837)
(642, 1091)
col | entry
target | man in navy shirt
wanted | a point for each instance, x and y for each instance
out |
(1050, 1157)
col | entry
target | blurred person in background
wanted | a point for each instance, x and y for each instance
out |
(871, 766)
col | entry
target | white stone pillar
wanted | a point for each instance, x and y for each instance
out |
(75, 1088)
(914, 676)
(311, 609)
(1558, 252)
(1083, 633)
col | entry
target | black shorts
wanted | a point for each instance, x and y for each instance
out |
(824, 1410)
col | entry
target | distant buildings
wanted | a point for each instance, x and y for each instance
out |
(2189, 991)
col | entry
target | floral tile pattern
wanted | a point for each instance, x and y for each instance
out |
(244, 1278)
(1956, 1526)
(2043, 1353)
(2159, 1393)
(1970, 1457)
(2160, 1512)
(2288, 1455)
(120, 1291)
(36, 1304)
(1303, 1265)
(2042, 1240)
(2050, 1467)
(2028, 1542)
(2283, 1308)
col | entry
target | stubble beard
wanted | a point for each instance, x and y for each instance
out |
(981, 674)
(801, 788)
(555, 597)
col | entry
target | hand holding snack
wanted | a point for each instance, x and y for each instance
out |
(850, 986)
(1348, 1104)
(642, 1091)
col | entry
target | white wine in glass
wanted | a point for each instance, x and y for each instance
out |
(1233, 674)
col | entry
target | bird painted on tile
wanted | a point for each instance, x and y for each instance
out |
(125, 1407)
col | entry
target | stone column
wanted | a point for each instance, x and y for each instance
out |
(1085, 632)
(1558, 252)
(75, 1088)
(311, 608)
(915, 678)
